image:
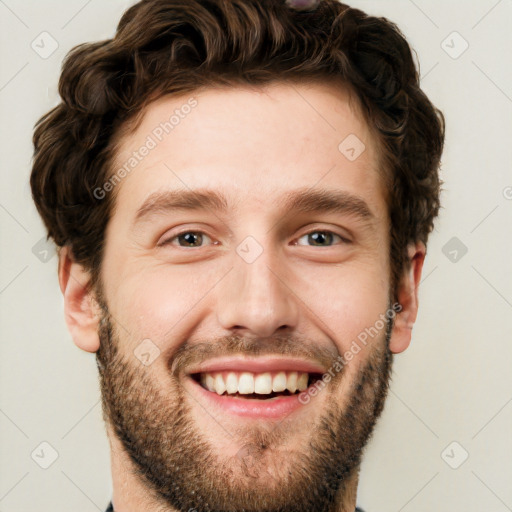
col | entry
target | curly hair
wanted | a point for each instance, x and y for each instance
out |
(178, 46)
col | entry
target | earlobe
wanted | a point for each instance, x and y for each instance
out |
(408, 299)
(79, 304)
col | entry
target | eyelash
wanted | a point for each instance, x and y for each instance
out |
(342, 239)
(177, 235)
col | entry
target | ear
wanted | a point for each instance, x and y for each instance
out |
(80, 307)
(407, 295)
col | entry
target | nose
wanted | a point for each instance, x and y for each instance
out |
(255, 299)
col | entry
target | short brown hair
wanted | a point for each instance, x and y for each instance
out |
(178, 46)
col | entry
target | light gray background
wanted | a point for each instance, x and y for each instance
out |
(453, 384)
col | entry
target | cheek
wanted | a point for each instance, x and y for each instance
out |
(155, 301)
(164, 302)
(345, 300)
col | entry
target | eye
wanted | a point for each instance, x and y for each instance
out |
(321, 238)
(195, 239)
(186, 239)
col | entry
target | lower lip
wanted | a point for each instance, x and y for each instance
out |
(277, 407)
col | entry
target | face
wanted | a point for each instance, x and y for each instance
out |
(245, 259)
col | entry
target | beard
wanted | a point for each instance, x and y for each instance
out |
(174, 460)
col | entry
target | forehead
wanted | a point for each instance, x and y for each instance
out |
(257, 142)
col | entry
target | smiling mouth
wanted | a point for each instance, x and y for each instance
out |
(255, 386)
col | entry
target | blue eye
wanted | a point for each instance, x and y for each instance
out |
(321, 238)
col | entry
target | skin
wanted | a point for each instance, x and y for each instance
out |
(254, 145)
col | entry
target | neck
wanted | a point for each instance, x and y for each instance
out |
(348, 493)
(130, 494)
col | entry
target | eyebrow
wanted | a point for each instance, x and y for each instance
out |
(296, 201)
(168, 201)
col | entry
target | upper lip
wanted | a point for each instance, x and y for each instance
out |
(256, 365)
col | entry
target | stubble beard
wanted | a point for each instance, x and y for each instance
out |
(177, 464)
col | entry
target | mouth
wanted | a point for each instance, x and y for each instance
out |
(259, 388)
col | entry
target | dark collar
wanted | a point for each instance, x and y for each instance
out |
(111, 509)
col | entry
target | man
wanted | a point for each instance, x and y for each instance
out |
(241, 193)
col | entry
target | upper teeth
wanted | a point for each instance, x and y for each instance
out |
(261, 383)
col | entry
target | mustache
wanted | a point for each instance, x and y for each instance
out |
(192, 353)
